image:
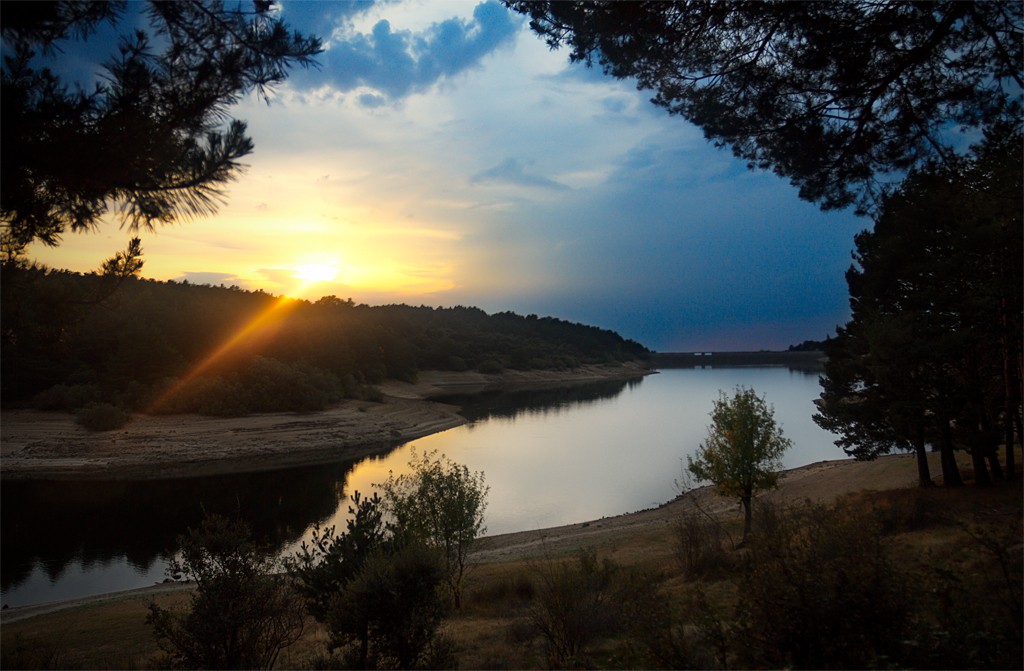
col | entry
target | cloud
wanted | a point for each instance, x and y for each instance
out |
(211, 278)
(510, 171)
(278, 276)
(372, 100)
(395, 63)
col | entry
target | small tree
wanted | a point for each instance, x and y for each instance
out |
(241, 614)
(442, 503)
(377, 593)
(396, 601)
(742, 451)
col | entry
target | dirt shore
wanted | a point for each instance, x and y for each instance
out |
(48, 445)
(822, 482)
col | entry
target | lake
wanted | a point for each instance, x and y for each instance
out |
(550, 458)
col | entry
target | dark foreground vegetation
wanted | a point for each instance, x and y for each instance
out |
(73, 342)
(916, 578)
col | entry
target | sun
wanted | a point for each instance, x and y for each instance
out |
(315, 272)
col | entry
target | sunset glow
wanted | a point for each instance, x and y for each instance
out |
(316, 272)
(483, 169)
(260, 323)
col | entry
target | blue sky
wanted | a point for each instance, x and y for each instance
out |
(443, 155)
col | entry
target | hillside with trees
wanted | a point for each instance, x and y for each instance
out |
(175, 347)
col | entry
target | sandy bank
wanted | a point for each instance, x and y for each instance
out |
(821, 482)
(48, 445)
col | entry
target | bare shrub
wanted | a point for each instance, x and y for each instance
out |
(909, 509)
(575, 604)
(585, 602)
(515, 588)
(699, 546)
(819, 590)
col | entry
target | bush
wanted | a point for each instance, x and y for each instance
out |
(457, 364)
(396, 599)
(101, 417)
(699, 545)
(490, 367)
(216, 396)
(441, 503)
(265, 385)
(819, 591)
(66, 397)
(378, 595)
(273, 386)
(241, 614)
(575, 605)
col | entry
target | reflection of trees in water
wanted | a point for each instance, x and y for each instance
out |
(57, 523)
(510, 404)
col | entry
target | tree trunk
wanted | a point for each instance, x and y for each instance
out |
(1013, 384)
(992, 454)
(1011, 457)
(981, 476)
(979, 449)
(924, 475)
(747, 516)
(950, 471)
(1018, 421)
(990, 445)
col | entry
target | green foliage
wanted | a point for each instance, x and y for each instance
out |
(151, 132)
(241, 614)
(442, 504)
(285, 355)
(378, 594)
(742, 452)
(394, 598)
(101, 417)
(330, 561)
(842, 99)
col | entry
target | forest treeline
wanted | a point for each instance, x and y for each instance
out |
(72, 339)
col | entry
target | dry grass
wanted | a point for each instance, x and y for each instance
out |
(964, 544)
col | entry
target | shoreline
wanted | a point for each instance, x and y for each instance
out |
(38, 445)
(820, 482)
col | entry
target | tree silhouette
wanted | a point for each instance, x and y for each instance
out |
(153, 134)
(842, 98)
(933, 345)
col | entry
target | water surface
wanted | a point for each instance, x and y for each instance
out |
(550, 458)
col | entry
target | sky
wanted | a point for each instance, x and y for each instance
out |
(443, 155)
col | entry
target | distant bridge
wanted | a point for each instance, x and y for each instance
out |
(801, 360)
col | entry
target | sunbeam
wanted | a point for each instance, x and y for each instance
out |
(276, 310)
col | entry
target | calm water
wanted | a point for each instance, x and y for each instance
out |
(550, 458)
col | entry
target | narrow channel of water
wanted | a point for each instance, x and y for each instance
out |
(550, 458)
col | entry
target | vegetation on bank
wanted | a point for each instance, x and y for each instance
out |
(174, 347)
(915, 578)
(381, 588)
(931, 356)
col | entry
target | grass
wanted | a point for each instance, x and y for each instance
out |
(960, 550)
